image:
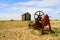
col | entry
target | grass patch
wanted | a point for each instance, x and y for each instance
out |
(55, 28)
(54, 34)
(19, 26)
(33, 32)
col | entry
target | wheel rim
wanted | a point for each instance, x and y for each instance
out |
(39, 13)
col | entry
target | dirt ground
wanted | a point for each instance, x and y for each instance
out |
(19, 30)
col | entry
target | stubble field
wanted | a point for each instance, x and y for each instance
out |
(19, 30)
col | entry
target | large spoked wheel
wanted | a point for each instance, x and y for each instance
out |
(36, 25)
(38, 13)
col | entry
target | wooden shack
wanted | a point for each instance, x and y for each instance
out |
(26, 17)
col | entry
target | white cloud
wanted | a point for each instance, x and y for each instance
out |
(49, 2)
(3, 5)
(34, 5)
(42, 3)
(32, 11)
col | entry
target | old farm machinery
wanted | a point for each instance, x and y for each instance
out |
(41, 20)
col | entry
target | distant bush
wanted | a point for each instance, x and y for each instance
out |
(56, 19)
(12, 20)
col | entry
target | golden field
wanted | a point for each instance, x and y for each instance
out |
(19, 30)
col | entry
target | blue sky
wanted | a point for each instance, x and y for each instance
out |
(13, 9)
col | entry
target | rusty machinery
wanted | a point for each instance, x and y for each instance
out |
(41, 21)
